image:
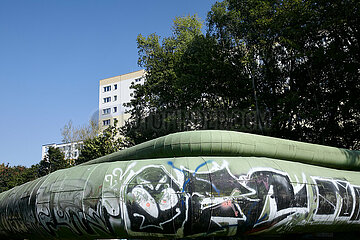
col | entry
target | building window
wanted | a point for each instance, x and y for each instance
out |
(115, 86)
(115, 97)
(106, 111)
(115, 109)
(107, 88)
(107, 99)
(106, 122)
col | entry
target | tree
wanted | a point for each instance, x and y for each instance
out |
(8, 176)
(107, 142)
(29, 174)
(185, 87)
(53, 160)
(15, 176)
(304, 59)
(71, 133)
(295, 62)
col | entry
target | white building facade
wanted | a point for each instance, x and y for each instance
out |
(113, 93)
(70, 150)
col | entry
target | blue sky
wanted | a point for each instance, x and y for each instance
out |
(53, 54)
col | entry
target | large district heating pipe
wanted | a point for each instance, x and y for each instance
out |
(192, 184)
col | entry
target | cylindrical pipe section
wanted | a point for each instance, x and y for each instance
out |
(236, 144)
(182, 197)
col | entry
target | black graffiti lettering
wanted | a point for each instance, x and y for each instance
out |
(284, 194)
(327, 197)
(301, 198)
(356, 214)
(153, 203)
(336, 196)
(283, 191)
(205, 190)
(346, 198)
(263, 180)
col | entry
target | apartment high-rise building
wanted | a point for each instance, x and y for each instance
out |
(71, 150)
(113, 93)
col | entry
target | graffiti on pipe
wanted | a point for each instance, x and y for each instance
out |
(196, 202)
(171, 200)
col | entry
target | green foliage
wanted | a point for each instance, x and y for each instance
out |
(54, 160)
(296, 62)
(185, 87)
(304, 58)
(17, 175)
(11, 176)
(30, 174)
(8, 176)
(105, 143)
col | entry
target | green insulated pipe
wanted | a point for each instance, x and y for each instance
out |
(228, 143)
(192, 184)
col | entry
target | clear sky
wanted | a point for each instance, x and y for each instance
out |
(53, 54)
